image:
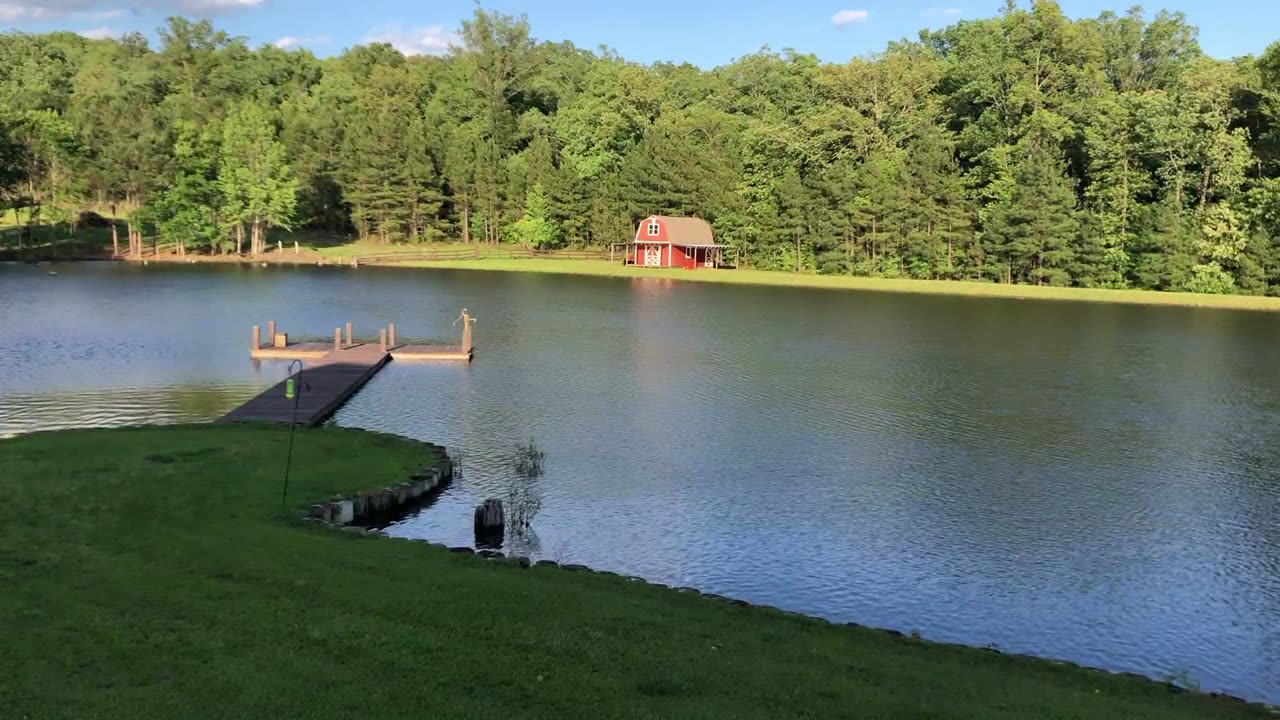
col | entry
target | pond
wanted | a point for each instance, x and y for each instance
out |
(1095, 483)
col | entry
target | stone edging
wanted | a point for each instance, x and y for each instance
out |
(344, 510)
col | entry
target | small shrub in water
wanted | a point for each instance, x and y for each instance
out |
(529, 459)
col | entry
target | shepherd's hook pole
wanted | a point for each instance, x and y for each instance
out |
(293, 424)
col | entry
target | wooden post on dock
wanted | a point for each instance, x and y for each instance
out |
(382, 339)
(257, 337)
(337, 339)
(348, 333)
(391, 334)
(271, 331)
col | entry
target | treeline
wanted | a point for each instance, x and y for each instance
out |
(1026, 148)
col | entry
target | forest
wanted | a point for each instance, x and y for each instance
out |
(1022, 148)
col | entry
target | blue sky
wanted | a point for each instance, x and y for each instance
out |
(704, 32)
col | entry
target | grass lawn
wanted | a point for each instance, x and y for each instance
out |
(151, 573)
(839, 282)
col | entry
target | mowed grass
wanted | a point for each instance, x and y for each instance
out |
(152, 573)
(841, 282)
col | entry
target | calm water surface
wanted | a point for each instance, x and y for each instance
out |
(1094, 483)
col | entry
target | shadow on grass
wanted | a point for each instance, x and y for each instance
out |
(58, 242)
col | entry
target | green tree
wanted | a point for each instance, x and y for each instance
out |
(535, 228)
(12, 172)
(257, 186)
(186, 212)
(1032, 232)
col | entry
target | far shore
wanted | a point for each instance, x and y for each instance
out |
(310, 253)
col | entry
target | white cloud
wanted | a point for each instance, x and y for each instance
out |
(427, 40)
(101, 33)
(950, 12)
(844, 18)
(37, 10)
(289, 41)
(207, 5)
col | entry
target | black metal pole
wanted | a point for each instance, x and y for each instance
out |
(293, 426)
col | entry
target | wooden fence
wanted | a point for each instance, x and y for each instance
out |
(151, 247)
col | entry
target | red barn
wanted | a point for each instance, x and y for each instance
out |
(679, 242)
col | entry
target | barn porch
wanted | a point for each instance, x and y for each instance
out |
(670, 255)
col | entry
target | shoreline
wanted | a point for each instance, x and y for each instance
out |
(767, 278)
(196, 541)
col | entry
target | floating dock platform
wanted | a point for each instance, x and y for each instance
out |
(332, 372)
(325, 351)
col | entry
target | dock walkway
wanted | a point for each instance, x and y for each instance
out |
(325, 385)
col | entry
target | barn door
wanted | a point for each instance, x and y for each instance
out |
(652, 255)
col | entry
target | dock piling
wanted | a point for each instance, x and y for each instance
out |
(257, 337)
(348, 333)
(466, 319)
(391, 334)
(337, 339)
(271, 330)
(382, 339)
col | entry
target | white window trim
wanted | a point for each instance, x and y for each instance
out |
(653, 229)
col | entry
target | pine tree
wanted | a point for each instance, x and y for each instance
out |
(1033, 231)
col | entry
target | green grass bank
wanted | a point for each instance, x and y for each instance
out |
(152, 573)
(842, 282)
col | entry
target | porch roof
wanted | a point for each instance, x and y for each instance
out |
(677, 244)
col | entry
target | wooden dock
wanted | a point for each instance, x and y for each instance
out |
(332, 372)
(324, 386)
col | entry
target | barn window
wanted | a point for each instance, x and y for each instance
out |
(653, 228)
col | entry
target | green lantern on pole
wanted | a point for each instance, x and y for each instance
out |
(288, 388)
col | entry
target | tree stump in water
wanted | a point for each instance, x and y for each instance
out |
(489, 523)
